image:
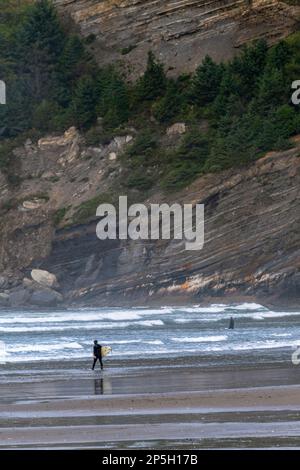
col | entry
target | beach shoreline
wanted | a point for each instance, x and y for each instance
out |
(46, 406)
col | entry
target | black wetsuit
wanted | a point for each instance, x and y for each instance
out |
(97, 356)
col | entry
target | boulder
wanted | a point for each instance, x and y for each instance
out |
(28, 282)
(48, 175)
(19, 297)
(112, 156)
(120, 141)
(44, 278)
(178, 128)
(45, 298)
(33, 204)
(4, 298)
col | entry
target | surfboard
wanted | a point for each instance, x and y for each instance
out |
(105, 350)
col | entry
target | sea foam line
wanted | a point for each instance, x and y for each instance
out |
(200, 339)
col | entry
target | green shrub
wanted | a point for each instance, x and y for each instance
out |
(139, 180)
(59, 215)
(188, 160)
(144, 145)
(87, 209)
(128, 49)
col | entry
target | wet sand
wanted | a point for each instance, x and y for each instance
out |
(172, 404)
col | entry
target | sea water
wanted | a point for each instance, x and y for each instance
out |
(149, 332)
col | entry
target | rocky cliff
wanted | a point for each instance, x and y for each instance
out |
(180, 32)
(252, 226)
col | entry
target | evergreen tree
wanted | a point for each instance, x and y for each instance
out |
(153, 82)
(279, 55)
(40, 41)
(171, 104)
(117, 103)
(71, 58)
(273, 89)
(248, 67)
(206, 82)
(113, 98)
(84, 102)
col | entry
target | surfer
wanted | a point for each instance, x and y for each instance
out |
(231, 324)
(97, 354)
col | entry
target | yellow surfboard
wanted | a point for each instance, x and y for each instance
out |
(105, 350)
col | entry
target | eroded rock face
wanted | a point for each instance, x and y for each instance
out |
(252, 243)
(251, 250)
(66, 146)
(180, 32)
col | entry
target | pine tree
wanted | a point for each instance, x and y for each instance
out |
(206, 82)
(113, 98)
(71, 57)
(117, 103)
(279, 55)
(40, 41)
(273, 89)
(153, 82)
(248, 67)
(84, 102)
(171, 104)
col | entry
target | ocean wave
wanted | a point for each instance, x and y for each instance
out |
(41, 358)
(247, 306)
(129, 341)
(279, 335)
(225, 316)
(77, 316)
(200, 339)
(259, 345)
(43, 347)
(269, 344)
(211, 309)
(90, 327)
(154, 342)
(72, 318)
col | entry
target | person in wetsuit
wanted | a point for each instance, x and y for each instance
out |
(97, 354)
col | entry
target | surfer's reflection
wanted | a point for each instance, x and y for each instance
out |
(102, 386)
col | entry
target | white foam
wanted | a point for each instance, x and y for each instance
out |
(43, 347)
(76, 317)
(269, 344)
(211, 309)
(248, 306)
(154, 342)
(271, 314)
(200, 339)
(279, 335)
(91, 326)
(151, 322)
(248, 346)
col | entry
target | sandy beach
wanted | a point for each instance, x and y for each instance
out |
(175, 406)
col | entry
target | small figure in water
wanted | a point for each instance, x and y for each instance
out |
(97, 354)
(231, 324)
